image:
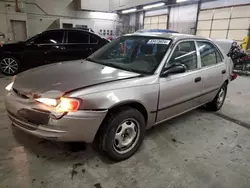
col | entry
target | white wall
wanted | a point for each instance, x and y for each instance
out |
(7, 13)
(97, 5)
(156, 12)
(222, 3)
(124, 4)
(44, 14)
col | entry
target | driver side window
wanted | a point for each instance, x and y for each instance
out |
(50, 37)
(185, 53)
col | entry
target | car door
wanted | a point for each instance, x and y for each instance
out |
(180, 92)
(78, 45)
(42, 50)
(213, 68)
(57, 48)
(34, 53)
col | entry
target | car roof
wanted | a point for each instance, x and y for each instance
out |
(70, 29)
(173, 36)
(156, 30)
(77, 29)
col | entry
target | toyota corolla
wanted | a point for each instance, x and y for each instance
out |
(121, 90)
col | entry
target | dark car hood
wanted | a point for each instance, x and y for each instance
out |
(11, 46)
(67, 76)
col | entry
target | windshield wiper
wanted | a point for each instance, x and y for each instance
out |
(127, 69)
(92, 60)
(118, 67)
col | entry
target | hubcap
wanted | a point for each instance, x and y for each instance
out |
(221, 97)
(126, 136)
(9, 65)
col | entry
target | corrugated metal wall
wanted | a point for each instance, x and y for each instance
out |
(183, 18)
(231, 22)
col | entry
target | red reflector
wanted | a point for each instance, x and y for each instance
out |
(68, 105)
(234, 76)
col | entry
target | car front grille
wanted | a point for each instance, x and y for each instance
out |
(21, 122)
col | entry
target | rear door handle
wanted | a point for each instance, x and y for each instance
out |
(223, 72)
(198, 79)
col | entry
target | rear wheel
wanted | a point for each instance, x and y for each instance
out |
(218, 101)
(123, 134)
(9, 66)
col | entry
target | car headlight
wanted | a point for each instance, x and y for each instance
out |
(47, 101)
(61, 105)
(9, 87)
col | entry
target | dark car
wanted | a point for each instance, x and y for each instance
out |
(49, 47)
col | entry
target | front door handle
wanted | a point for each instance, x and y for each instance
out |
(62, 47)
(198, 79)
(59, 47)
(223, 72)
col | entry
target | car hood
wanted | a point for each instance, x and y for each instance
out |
(13, 46)
(56, 79)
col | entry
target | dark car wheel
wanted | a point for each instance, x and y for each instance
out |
(218, 101)
(9, 66)
(123, 134)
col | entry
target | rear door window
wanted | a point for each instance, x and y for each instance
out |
(78, 37)
(209, 54)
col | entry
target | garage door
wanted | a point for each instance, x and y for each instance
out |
(224, 23)
(156, 22)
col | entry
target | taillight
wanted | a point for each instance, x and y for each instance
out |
(234, 76)
(68, 105)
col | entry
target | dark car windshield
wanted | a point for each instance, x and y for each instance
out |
(138, 54)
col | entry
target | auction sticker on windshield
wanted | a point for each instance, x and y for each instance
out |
(158, 41)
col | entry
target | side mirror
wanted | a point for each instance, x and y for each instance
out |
(2, 36)
(31, 43)
(174, 69)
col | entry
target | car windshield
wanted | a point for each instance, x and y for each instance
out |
(138, 54)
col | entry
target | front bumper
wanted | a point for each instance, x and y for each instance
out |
(37, 119)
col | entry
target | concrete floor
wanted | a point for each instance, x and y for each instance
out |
(199, 149)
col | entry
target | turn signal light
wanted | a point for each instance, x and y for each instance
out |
(68, 105)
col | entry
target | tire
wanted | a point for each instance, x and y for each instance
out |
(218, 101)
(116, 126)
(9, 65)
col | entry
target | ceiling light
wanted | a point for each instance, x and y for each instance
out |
(153, 6)
(179, 1)
(129, 10)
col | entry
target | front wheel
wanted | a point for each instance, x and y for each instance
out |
(123, 134)
(9, 66)
(218, 101)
